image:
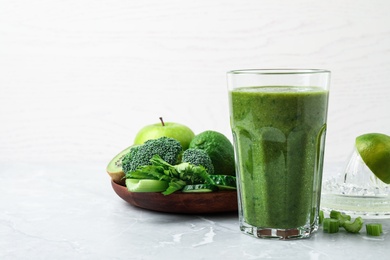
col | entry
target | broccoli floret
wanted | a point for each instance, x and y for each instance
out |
(198, 157)
(127, 161)
(168, 149)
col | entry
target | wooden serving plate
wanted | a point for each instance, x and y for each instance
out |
(178, 202)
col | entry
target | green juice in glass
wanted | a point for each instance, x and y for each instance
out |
(279, 134)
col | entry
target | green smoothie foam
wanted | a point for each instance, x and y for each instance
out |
(279, 133)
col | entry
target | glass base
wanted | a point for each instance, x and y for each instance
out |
(280, 234)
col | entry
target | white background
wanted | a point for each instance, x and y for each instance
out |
(79, 78)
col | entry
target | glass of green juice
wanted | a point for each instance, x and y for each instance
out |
(278, 121)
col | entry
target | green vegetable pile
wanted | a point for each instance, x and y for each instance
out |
(337, 219)
(160, 165)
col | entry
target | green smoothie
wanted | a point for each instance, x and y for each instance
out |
(279, 134)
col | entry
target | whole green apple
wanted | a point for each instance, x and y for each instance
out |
(180, 132)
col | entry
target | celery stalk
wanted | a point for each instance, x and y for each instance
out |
(321, 217)
(146, 185)
(374, 229)
(353, 227)
(340, 216)
(331, 225)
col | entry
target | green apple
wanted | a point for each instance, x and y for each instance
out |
(180, 132)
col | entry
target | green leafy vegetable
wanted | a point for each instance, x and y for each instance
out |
(224, 182)
(174, 185)
(178, 175)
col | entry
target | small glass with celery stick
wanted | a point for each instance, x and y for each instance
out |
(278, 121)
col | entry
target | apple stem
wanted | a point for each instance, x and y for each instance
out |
(162, 121)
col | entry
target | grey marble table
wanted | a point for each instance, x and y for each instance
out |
(55, 211)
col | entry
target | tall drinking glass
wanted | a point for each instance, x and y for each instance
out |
(278, 121)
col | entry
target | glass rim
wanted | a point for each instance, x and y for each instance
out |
(278, 71)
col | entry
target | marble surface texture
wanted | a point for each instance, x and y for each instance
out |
(54, 211)
(79, 78)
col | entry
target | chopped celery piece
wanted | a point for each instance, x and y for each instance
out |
(321, 217)
(340, 216)
(353, 227)
(331, 225)
(146, 185)
(374, 229)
